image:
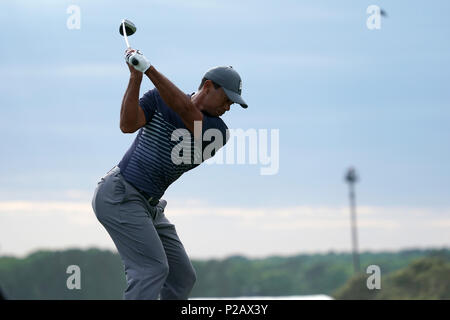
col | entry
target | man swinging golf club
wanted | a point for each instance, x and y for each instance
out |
(127, 200)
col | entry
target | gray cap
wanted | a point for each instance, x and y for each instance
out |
(229, 80)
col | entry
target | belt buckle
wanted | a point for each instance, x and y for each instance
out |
(149, 200)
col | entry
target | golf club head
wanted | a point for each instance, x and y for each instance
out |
(130, 28)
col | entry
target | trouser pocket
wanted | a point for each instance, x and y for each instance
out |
(111, 190)
(117, 190)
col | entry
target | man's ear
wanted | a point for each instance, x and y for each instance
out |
(207, 85)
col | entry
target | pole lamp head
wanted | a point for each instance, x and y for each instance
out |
(351, 176)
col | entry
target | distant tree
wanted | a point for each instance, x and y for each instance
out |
(425, 278)
(42, 275)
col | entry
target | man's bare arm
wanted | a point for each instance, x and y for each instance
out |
(132, 116)
(175, 98)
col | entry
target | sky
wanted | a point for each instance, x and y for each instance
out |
(338, 94)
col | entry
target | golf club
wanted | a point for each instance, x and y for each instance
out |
(127, 28)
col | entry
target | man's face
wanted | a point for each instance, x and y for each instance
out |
(216, 102)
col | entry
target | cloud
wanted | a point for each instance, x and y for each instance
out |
(252, 11)
(275, 218)
(43, 208)
(193, 4)
(75, 194)
(29, 225)
(117, 69)
(85, 69)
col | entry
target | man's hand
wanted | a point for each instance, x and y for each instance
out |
(176, 99)
(131, 115)
(137, 60)
(134, 74)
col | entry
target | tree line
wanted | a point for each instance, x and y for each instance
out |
(44, 275)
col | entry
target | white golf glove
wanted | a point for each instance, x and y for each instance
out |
(137, 60)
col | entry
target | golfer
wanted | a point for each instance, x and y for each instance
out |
(127, 200)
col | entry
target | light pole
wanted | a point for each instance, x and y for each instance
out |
(351, 179)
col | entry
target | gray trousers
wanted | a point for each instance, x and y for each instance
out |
(155, 261)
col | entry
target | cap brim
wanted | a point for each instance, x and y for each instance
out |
(236, 98)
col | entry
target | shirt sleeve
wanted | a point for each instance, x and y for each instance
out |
(148, 103)
(214, 123)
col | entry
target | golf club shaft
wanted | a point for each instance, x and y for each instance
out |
(125, 34)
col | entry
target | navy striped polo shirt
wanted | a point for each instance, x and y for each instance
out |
(147, 164)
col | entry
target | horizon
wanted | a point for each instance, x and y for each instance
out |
(340, 94)
(274, 255)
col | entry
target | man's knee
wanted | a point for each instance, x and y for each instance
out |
(183, 283)
(159, 271)
(191, 278)
(146, 282)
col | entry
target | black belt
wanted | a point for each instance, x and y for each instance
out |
(153, 201)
